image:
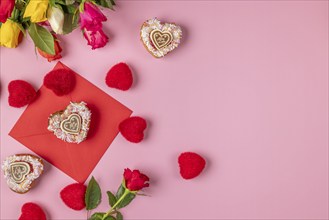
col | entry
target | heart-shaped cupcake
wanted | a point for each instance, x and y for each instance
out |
(21, 170)
(158, 38)
(72, 124)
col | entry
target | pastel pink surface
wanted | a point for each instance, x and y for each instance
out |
(247, 89)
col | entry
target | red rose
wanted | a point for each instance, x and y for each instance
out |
(6, 7)
(57, 54)
(135, 180)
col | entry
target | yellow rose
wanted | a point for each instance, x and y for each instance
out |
(10, 34)
(36, 10)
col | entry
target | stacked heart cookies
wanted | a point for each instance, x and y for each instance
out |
(160, 38)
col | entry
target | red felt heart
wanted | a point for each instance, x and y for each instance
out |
(21, 93)
(60, 81)
(119, 77)
(31, 211)
(133, 129)
(73, 196)
(191, 164)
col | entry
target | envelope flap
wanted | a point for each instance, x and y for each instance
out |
(34, 120)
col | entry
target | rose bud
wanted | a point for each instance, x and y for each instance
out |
(135, 180)
(57, 54)
(55, 18)
(10, 34)
(96, 39)
(6, 7)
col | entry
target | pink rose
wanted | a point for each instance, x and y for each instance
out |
(96, 39)
(91, 18)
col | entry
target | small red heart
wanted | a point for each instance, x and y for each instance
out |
(73, 196)
(133, 129)
(191, 164)
(31, 211)
(21, 93)
(60, 81)
(119, 77)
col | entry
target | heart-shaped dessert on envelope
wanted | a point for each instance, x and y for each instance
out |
(72, 124)
(158, 38)
(21, 170)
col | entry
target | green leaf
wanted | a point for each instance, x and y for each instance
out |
(99, 216)
(52, 3)
(19, 5)
(61, 2)
(127, 200)
(93, 194)
(120, 191)
(70, 23)
(119, 216)
(69, 9)
(112, 198)
(69, 2)
(42, 38)
(20, 26)
(106, 3)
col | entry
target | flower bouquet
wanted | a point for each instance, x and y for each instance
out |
(43, 20)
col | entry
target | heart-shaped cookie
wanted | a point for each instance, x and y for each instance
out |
(158, 38)
(72, 124)
(21, 170)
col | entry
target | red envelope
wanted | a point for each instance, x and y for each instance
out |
(76, 160)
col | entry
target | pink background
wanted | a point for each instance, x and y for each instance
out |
(247, 89)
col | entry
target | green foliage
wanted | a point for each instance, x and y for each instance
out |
(93, 194)
(106, 3)
(100, 216)
(42, 38)
(119, 216)
(126, 200)
(112, 198)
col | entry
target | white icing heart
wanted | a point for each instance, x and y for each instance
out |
(72, 125)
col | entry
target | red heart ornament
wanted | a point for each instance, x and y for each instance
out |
(73, 196)
(119, 77)
(31, 211)
(133, 129)
(191, 164)
(60, 81)
(21, 93)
